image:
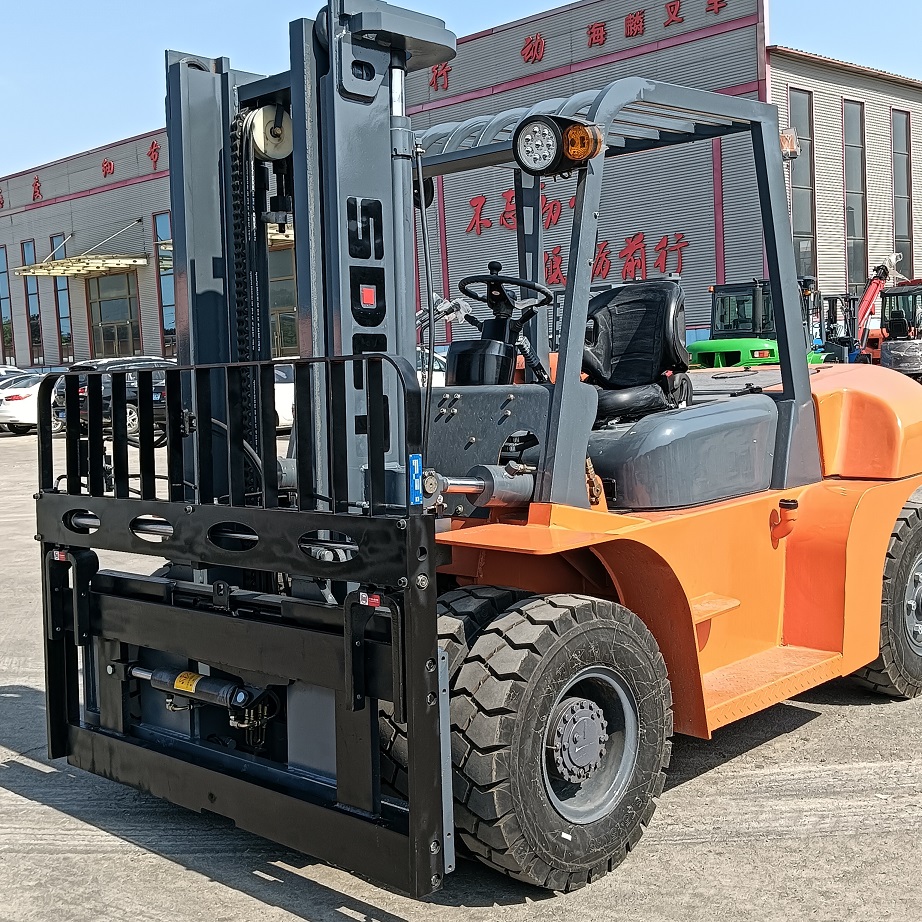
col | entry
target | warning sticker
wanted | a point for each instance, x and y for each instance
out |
(186, 681)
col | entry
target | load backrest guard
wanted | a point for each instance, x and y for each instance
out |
(245, 677)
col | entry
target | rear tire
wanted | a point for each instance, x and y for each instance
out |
(18, 429)
(579, 670)
(897, 671)
(462, 615)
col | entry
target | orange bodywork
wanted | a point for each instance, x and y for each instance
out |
(749, 604)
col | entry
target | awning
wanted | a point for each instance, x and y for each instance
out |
(93, 264)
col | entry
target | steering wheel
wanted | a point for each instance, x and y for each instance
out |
(496, 296)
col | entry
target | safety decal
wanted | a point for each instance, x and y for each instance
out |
(186, 681)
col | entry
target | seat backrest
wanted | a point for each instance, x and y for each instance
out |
(634, 333)
(897, 324)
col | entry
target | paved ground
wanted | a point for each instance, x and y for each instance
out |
(812, 810)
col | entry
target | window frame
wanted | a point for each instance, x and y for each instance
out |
(60, 251)
(26, 280)
(905, 269)
(813, 236)
(157, 241)
(857, 286)
(5, 358)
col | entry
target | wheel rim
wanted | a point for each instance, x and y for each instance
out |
(591, 743)
(131, 419)
(57, 424)
(912, 607)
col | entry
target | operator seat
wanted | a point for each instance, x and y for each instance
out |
(635, 352)
(897, 324)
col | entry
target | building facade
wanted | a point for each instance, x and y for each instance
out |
(855, 188)
(86, 255)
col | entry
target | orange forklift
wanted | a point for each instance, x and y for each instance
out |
(476, 611)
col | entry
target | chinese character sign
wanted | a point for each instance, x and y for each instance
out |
(635, 24)
(478, 222)
(663, 250)
(153, 153)
(36, 190)
(2, 199)
(553, 268)
(533, 49)
(634, 255)
(674, 13)
(715, 6)
(108, 167)
(438, 76)
(597, 34)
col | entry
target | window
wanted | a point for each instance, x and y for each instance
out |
(113, 301)
(902, 190)
(856, 217)
(734, 312)
(33, 308)
(163, 235)
(803, 197)
(62, 302)
(283, 311)
(7, 347)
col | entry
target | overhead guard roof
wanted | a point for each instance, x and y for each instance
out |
(634, 113)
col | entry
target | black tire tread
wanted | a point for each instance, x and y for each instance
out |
(489, 684)
(462, 614)
(885, 675)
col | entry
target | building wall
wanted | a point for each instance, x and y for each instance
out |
(831, 85)
(77, 199)
(668, 197)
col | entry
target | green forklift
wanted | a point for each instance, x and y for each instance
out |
(743, 326)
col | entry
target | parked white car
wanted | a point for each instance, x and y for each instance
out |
(19, 404)
(7, 371)
(284, 396)
(439, 367)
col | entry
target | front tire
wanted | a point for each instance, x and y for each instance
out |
(897, 671)
(18, 429)
(565, 741)
(462, 615)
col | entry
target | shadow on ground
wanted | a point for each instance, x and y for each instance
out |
(203, 843)
(267, 872)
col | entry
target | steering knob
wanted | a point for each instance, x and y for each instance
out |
(494, 267)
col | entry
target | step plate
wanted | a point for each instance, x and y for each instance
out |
(764, 679)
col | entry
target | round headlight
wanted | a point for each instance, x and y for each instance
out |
(537, 145)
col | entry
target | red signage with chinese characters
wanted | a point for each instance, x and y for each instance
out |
(108, 167)
(674, 13)
(669, 250)
(596, 34)
(533, 49)
(36, 190)
(438, 79)
(635, 24)
(153, 154)
(2, 199)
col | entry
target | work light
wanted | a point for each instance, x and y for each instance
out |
(546, 144)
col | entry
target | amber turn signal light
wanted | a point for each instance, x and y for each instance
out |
(582, 142)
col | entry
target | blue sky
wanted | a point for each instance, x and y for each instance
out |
(76, 75)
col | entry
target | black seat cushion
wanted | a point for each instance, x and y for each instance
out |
(630, 402)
